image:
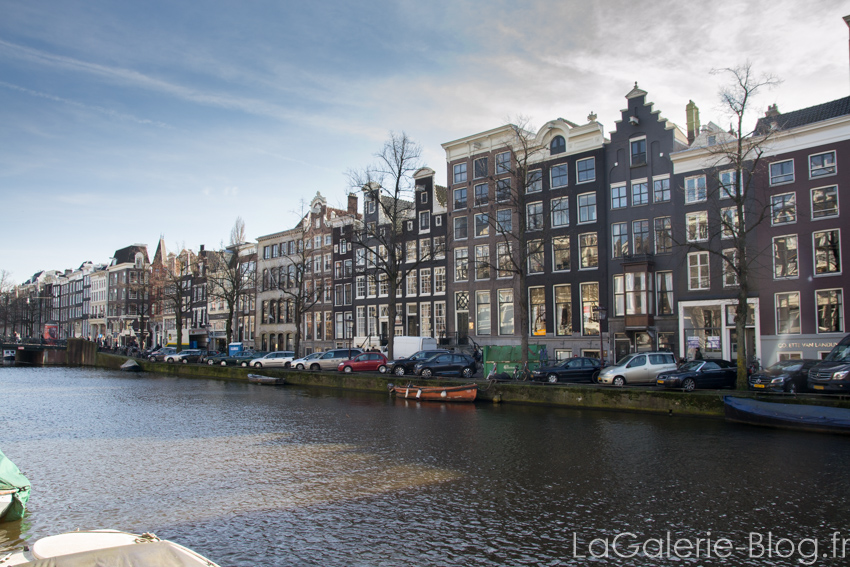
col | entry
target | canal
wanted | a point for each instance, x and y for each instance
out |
(258, 475)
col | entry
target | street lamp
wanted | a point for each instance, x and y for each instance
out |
(600, 315)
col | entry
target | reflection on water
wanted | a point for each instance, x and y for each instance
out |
(254, 475)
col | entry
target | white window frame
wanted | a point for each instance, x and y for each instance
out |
(770, 172)
(534, 181)
(657, 179)
(776, 317)
(817, 314)
(578, 176)
(834, 166)
(459, 173)
(772, 205)
(699, 265)
(815, 259)
(618, 186)
(565, 167)
(773, 255)
(695, 194)
(727, 271)
(698, 216)
(634, 183)
(580, 207)
(645, 151)
(561, 212)
(812, 201)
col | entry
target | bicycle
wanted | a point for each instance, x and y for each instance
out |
(524, 374)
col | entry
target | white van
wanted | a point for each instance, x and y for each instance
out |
(405, 346)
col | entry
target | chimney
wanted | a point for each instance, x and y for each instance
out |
(772, 110)
(692, 113)
(202, 247)
(352, 203)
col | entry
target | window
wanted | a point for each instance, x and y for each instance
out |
(459, 172)
(563, 311)
(561, 253)
(589, 301)
(482, 312)
(482, 262)
(383, 284)
(360, 287)
(535, 257)
(482, 225)
(640, 193)
(439, 280)
(785, 257)
(587, 208)
(663, 236)
(697, 226)
(410, 281)
(698, 271)
(631, 294)
(730, 267)
(695, 189)
(787, 313)
(424, 221)
(534, 216)
(482, 195)
(460, 198)
(537, 311)
(266, 253)
(664, 291)
(558, 175)
(479, 168)
(460, 228)
(534, 181)
(503, 221)
(825, 202)
(728, 222)
(586, 170)
(830, 310)
(439, 247)
(661, 190)
(438, 220)
(558, 145)
(506, 311)
(619, 197)
(827, 252)
(410, 251)
(425, 249)
(372, 285)
(503, 163)
(503, 254)
(560, 211)
(640, 237)
(782, 172)
(822, 164)
(728, 184)
(638, 152)
(503, 190)
(461, 264)
(619, 239)
(588, 250)
(424, 281)
(783, 208)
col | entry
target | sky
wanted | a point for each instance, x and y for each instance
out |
(121, 122)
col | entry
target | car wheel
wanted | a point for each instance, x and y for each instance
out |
(688, 384)
(595, 378)
(619, 381)
(287, 365)
(791, 388)
(258, 365)
(468, 372)
(398, 370)
(184, 361)
(382, 369)
(299, 366)
(152, 359)
(347, 369)
(244, 365)
(426, 373)
(315, 367)
(223, 363)
(210, 362)
(552, 379)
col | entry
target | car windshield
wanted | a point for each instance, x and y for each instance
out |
(692, 365)
(841, 353)
(623, 361)
(786, 366)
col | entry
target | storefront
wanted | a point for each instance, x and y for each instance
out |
(710, 327)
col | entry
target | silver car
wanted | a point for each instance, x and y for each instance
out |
(637, 368)
(278, 358)
(302, 363)
(331, 359)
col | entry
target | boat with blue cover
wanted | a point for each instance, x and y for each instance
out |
(788, 416)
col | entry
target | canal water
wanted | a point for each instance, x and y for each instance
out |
(259, 475)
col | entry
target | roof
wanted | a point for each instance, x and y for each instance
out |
(804, 116)
(128, 254)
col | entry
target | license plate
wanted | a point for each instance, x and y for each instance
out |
(661, 381)
(758, 385)
(818, 387)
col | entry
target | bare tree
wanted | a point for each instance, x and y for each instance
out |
(237, 233)
(175, 285)
(231, 281)
(7, 300)
(389, 184)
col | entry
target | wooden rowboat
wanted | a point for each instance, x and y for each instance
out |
(271, 381)
(465, 393)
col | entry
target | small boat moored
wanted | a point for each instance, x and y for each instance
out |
(269, 380)
(788, 416)
(131, 366)
(465, 393)
(14, 491)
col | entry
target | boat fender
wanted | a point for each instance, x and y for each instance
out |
(418, 394)
(443, 394)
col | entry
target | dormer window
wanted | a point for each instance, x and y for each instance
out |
(558, 145)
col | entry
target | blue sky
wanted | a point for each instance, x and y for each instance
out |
(124, 121)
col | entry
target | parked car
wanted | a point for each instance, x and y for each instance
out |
(276, 359)
(580, 369)
(302, 363)
(402, 366)
(368, 361)
(185, 356)
(209, 354)
(331, 359)
(832, 374)
(159, 355)
(711, 373)
(446, 364)
(637, 368)
(238, 359)
(784, 376)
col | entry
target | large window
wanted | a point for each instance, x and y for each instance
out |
(822, 164)
(782, 172)
(482, 194)
(482, 225)
(698, 271)
(785, 257)
(460, 228)
(664, 293)
(697, 226)
(558, 175)
(783, 208)
(830, 306)
(640, 193)
(503, 221)
(728, 222)
(586, 170)
(503, 190)
(439, 280)
(730, 267)
(561, 253)
(825, 202)
(663, 235)
(695, 189)
(537, 311)
(534, 216)
(619, 197)
(619, 239)
(506, 311)
(411, 282)
(479, 168)
(638, 151)
(460, 198)
(560, 212)
(589, 303)
(503, 253)
(661, 190)
(827, 245)
(787, 313)
(424, 281)
(631, 293)
(534, 181)
(588, 250)
(728, 184)
(563, 311)
(558, 145)
(587, 208)
(459, 172)
(503, 163)
(535, 256)
(482, 312)
(461, 264)
(482, 262)
(640, 236)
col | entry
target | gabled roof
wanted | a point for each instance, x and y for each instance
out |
(804, 116)
(128, 254)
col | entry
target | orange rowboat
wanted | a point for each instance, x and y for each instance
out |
(465, 393)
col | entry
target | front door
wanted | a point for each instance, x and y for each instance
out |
(462, 326)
